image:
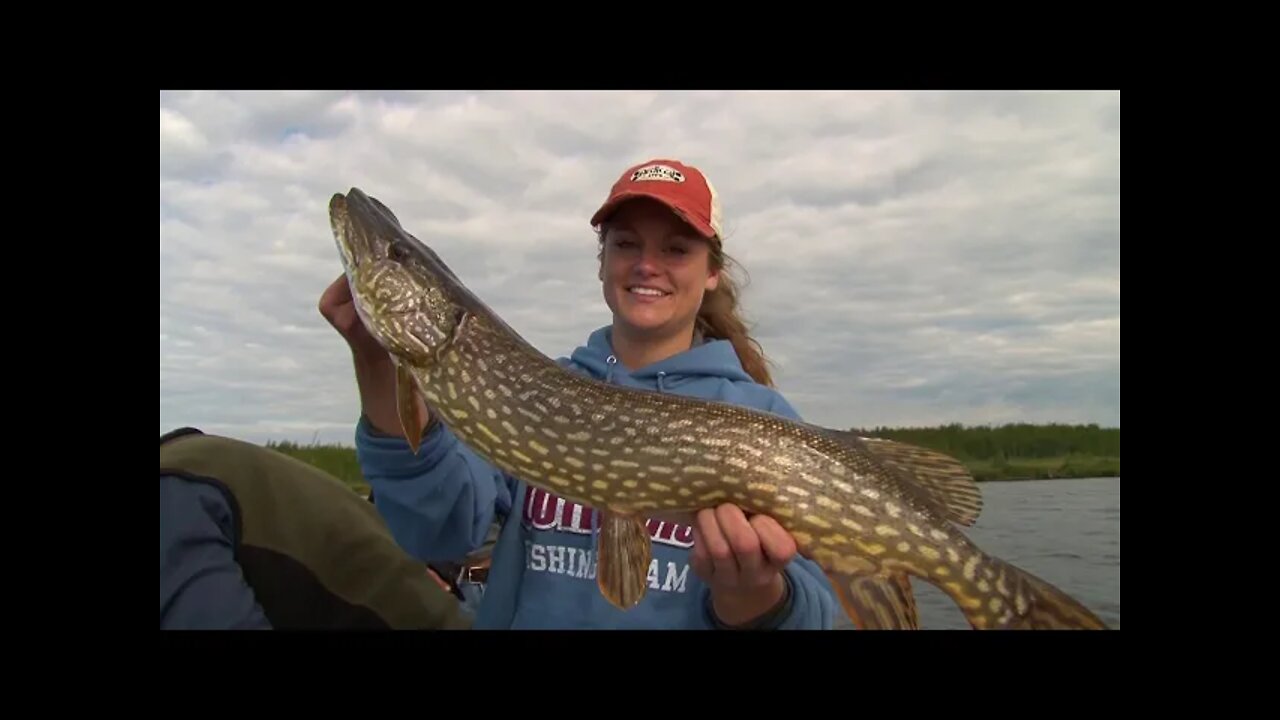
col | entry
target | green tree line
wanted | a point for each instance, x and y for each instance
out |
(1007, 452)
(1019, 440)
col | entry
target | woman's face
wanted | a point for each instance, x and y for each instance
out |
(655, 269)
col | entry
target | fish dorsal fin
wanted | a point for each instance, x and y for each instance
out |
(940, 475)
(941, 479)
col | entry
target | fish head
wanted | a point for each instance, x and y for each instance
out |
(400, 287)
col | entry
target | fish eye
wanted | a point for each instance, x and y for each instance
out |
(397, 253)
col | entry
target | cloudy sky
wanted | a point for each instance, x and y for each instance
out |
(913, 258)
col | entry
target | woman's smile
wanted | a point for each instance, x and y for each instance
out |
(647, 293)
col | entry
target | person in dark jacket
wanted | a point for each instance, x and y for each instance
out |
(251, 538)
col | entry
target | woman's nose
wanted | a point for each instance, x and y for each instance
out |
(649, 260)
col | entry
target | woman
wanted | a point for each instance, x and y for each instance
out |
(675, 329)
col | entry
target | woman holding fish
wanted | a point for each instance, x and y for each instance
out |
(675, 329)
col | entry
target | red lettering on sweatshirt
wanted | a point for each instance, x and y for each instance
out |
(546, 511)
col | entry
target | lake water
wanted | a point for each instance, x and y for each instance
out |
(1067, 532)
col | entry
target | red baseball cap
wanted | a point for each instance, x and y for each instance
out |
(681, 187)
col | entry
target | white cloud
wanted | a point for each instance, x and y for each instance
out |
(915, 258)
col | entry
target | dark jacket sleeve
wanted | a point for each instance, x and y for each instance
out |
(201, 586)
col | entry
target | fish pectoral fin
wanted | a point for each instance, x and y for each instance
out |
(877, 602)
(622, 558)
(411, 419)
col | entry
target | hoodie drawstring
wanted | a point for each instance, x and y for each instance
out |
(612, 361)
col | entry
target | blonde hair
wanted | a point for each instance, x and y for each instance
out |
(719, 316)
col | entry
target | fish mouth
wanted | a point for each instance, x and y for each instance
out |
(361, 228)
(371, 241)
(344, 234)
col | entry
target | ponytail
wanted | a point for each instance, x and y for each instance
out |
(719, 318)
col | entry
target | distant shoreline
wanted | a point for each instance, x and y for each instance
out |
(1004, 463)
(1032, 478)
(1018, 451)
(1061, 467)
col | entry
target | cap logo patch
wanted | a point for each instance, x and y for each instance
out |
(663, 173)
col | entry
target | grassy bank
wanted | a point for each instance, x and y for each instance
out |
(340, 461)
(337, 460)
(1065, 466)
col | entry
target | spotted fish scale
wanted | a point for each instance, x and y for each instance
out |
(870, 512)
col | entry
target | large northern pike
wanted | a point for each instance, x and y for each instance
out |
(869, 512)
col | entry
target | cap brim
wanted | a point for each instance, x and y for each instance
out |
(704, 228)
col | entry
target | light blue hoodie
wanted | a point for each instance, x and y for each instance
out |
(439, 506)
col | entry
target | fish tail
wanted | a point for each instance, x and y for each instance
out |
(1052, 609)
(997, 595)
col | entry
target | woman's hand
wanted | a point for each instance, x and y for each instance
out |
(338, 307)
(375, 375)
(742, 561)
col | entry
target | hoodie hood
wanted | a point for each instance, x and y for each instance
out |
(706, 359)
